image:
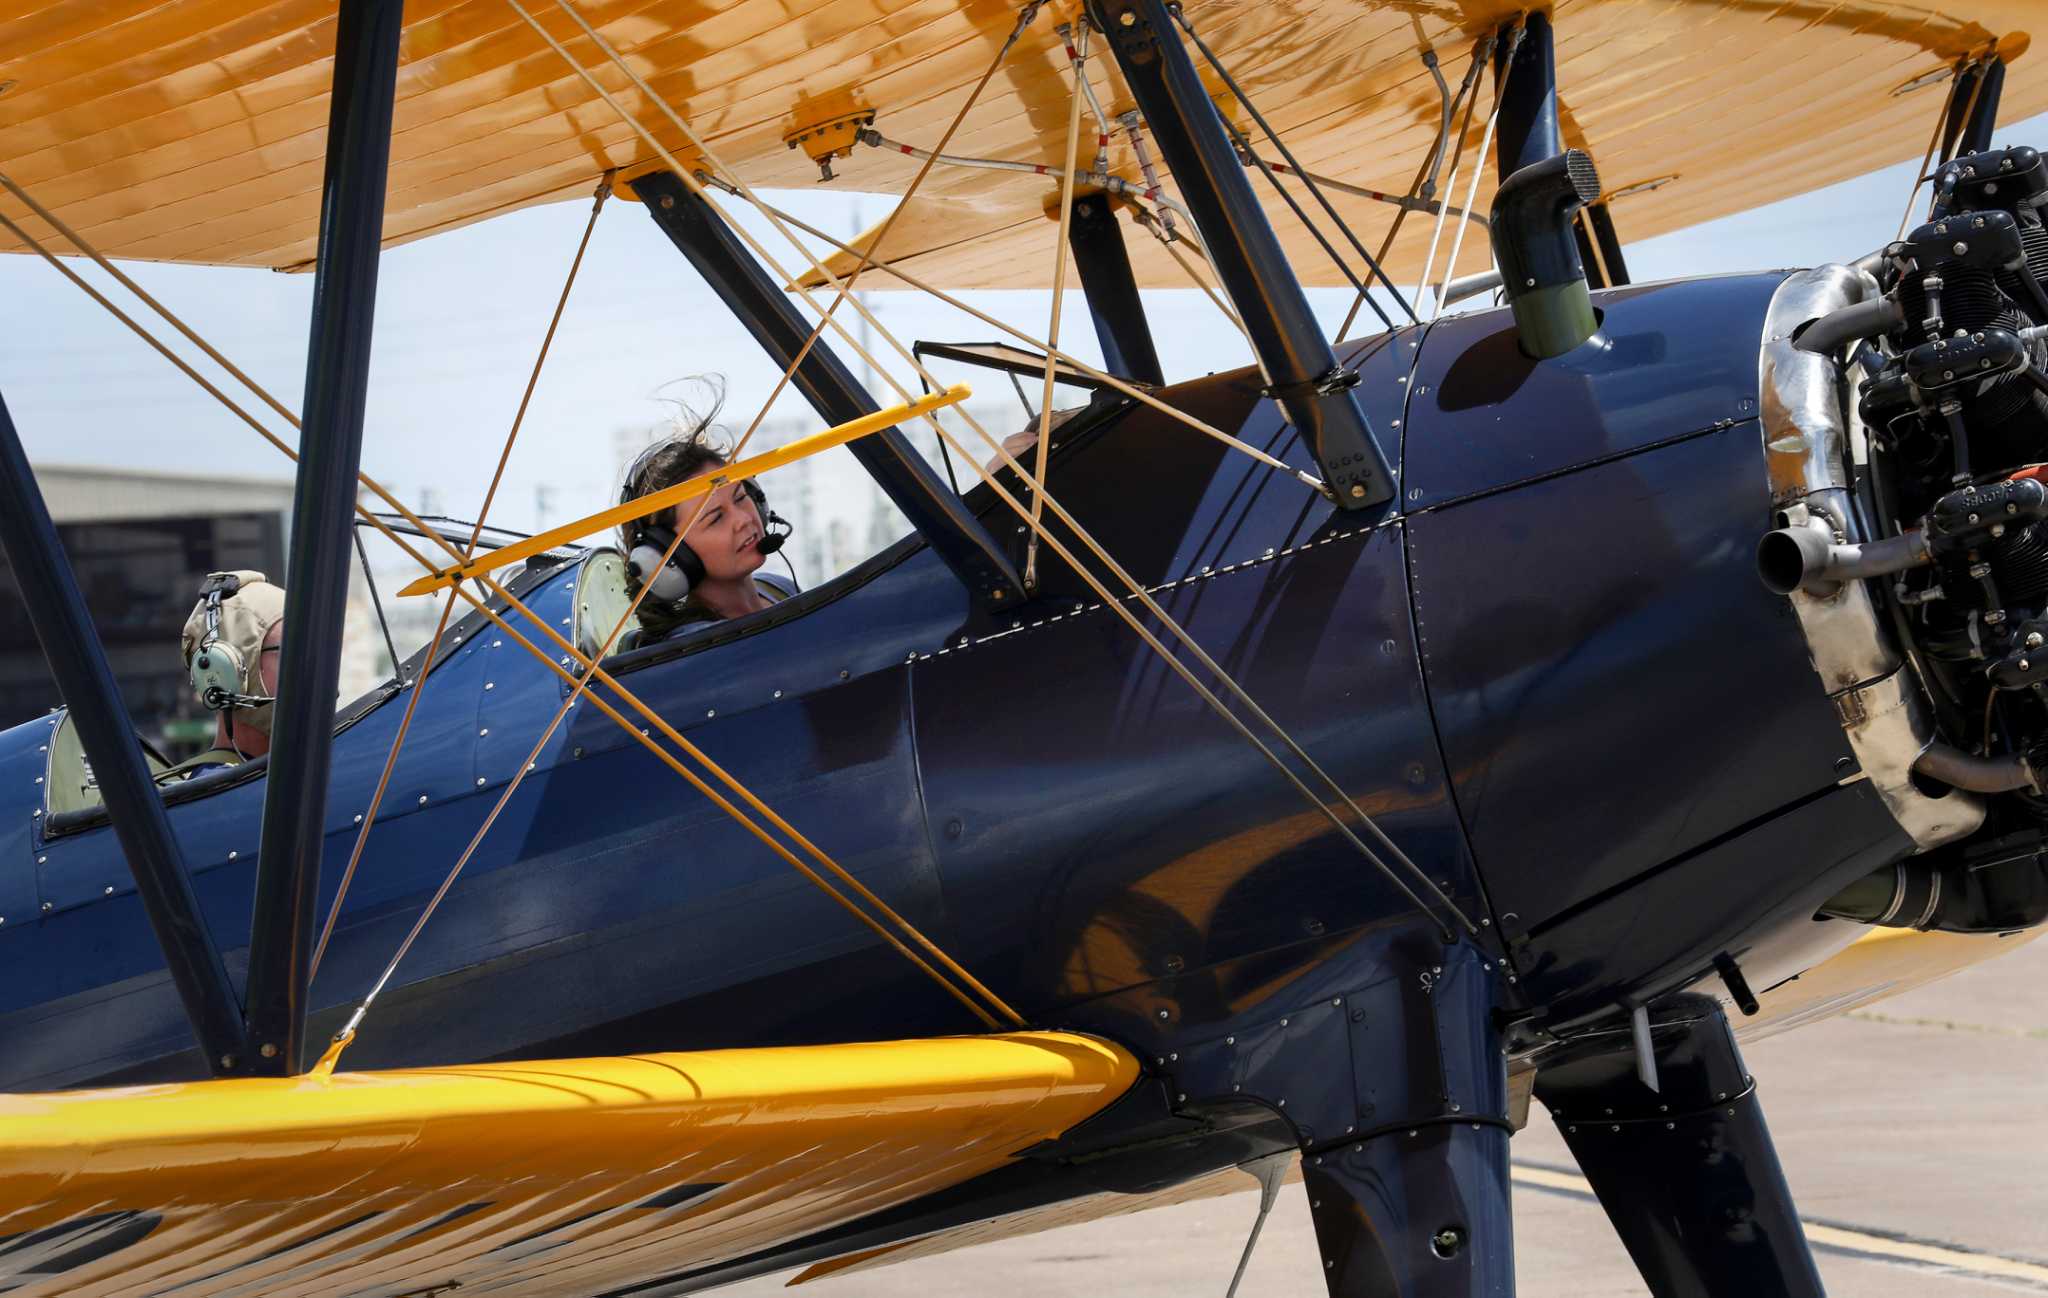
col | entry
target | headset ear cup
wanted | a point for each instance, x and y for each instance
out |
(216, 667)
(672, 581)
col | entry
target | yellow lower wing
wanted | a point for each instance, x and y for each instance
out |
(575, 1176)
(1884, 962)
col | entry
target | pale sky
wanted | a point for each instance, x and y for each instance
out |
(460, 315)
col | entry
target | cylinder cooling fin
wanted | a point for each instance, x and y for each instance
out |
(1932, 515)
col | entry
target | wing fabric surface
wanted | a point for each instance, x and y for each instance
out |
(195, 132)
(577, 1176)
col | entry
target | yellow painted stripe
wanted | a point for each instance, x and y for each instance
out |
(1841, 1237)
(751, 467)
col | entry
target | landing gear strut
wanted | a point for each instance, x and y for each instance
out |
(1687, 1173)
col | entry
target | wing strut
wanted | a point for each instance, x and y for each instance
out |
(337, 379)
(1111, 289)
(57, 612)
(1291, 346)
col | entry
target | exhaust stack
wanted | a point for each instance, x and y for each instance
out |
(1539, 259)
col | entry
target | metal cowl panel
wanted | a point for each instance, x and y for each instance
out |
(1810, 438)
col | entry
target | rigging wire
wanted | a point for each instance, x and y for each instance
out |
(482, 605)
(1245, 154)
(1180, 16)
(783, 221)
(1426, 173)
(1137, 194)
(1079, 58)
(1118, 605)
(1108, 380)
(1437, 302)
(1941, 120)
(1194, 275)
(916, 364)
(1025, 16)
(1412, 203)
(1479, 160)
(433, 654)
(390, 646)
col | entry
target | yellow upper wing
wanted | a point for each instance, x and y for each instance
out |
(562, 1176)
(195, 131)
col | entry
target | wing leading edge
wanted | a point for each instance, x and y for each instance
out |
(519, 1177)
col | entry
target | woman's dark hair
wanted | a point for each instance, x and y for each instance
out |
(693, 445)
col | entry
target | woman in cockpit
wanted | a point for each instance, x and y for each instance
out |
(727, 536)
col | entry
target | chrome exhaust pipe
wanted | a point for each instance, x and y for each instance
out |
(1806, 557)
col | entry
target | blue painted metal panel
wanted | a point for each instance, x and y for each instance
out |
(1670, 359)
(1667, 929)
(1099, 827)
(1559, 619)
(24, 765)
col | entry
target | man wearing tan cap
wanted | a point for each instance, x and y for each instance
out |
(230, 646)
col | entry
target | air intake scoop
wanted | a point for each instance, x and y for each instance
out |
(1539, 258)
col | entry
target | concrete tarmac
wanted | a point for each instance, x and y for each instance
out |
(1914, 1134)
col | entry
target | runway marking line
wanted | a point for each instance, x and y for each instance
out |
(1837, 1238)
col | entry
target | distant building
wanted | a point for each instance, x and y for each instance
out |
(141, 544)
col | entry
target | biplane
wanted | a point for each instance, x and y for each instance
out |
(1305, 764)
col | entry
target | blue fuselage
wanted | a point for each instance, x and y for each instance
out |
(1551, 676)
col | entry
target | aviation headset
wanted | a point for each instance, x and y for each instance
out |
(216, 669)
(647, 540)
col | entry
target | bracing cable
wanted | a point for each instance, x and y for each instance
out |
(1372, 263)
(1077, 53)
(1432, 162)
(419, 686)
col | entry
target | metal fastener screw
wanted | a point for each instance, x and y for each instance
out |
(42, 860)
(1127, 18)
(269, 1050)
(710, 713)
(110, 890)
(479, 781)
(232, 854)
(490, 685)
(423, 799)
(359, 818)
(778, 694)
(1162, 1014)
